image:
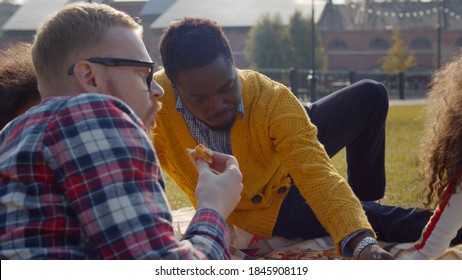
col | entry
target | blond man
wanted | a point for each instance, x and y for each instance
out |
(79, 176)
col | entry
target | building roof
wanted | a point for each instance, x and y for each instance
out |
(30, 15)
(33, 12)
(131, 7)
(379, 16)
(6, 11)
(155, 8)
(237, 13)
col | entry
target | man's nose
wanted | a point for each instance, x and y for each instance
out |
(216, 104)
(156, 90)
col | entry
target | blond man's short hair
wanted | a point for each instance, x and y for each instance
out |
(76, 28)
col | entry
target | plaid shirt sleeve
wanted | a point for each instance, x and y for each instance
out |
(108, 172)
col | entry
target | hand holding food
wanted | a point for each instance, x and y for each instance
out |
(219, 184)
(201, 151)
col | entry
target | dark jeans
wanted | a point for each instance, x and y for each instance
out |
(391, 224)
(354, 118)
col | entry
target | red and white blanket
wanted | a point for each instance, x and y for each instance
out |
(248, 246)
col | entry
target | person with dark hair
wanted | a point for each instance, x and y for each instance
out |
(18, 82)
(291, 188)
(78, 173)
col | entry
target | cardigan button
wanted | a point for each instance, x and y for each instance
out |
(282, 190)
(256, 199)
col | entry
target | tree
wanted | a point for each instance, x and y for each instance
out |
(397, 60)
(265, 45)
(301, 44)
(272, 45)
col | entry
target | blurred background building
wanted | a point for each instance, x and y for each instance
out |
(355, 34)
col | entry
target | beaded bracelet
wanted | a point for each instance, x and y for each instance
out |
(363, 244)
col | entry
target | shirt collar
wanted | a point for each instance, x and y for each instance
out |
(181, 108)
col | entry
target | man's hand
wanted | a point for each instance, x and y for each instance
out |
(219, 185)
(374, 252)
(370, 252)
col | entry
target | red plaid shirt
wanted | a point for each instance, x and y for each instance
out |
(79, 179)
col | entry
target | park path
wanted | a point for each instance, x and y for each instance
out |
(398, 102)
(402, 102)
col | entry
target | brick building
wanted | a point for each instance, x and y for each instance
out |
(355, 36)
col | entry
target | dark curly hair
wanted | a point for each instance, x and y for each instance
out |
(192, 43)
(18, 82)
(441, 151)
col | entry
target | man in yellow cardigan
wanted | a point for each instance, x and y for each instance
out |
(291, 188)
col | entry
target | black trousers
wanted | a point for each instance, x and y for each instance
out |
(354, 118)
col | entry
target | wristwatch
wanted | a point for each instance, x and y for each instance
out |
(363, 244)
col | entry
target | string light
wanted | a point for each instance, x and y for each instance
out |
(390, 13)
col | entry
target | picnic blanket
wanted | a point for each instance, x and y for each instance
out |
(248, 246)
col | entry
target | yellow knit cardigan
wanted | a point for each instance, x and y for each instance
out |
(273, 139)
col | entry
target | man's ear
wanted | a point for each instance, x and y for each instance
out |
(86, 75)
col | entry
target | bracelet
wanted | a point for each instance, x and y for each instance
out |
(363, 244)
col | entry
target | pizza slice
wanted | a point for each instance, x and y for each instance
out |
(201, 151)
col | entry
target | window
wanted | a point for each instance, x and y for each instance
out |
(379, 43)
(459, 42)
(420, 43)
(338, 43)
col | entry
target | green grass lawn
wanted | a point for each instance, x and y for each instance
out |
(404, 131)
(405, 125)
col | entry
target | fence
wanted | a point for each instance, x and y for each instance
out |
(400, 86)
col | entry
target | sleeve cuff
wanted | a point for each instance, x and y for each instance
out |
(346, 251)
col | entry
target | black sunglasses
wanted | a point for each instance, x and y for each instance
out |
(110, 61)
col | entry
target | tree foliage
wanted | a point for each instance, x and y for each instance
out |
(300, 40)
(271, 44)
(397, 58)
(265, 45)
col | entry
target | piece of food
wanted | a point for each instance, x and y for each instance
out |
(201, 151)
(303, 254)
